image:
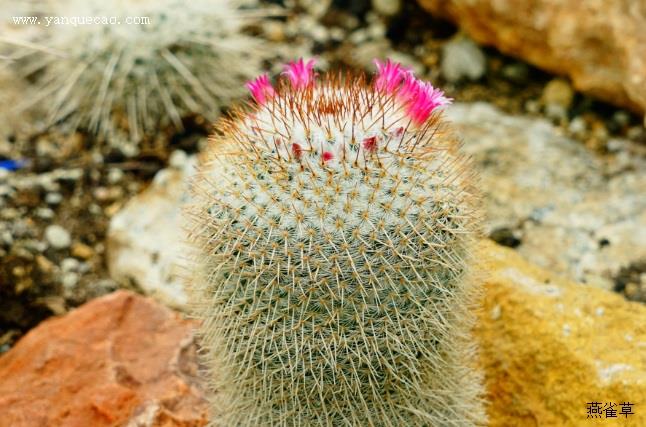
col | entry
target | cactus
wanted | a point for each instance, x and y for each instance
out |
(332, 221)
(115, 75)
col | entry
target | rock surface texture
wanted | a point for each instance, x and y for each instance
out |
(548, 347)
(145, 240)
(600, 45)
(120, 360)
(574, 212)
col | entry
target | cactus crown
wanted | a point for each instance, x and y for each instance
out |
(332, 220)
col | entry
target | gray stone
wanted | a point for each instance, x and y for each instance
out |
(574, 212)
(578, 127)
(44, 213)
(462, 59)
(115, 175)
(6, 239)
(70, 264)
(57, 237)
(53, 198)
(69, 280)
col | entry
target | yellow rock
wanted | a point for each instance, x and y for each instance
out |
(549, 347)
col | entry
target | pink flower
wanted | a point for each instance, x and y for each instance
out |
(420, 98)
(261, 89)
(300, 73)
(389, 75)
(409, 89)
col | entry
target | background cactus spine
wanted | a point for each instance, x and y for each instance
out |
(142, 65)
(332, 224)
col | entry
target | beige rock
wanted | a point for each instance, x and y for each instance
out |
(145, 239)
(600, 45)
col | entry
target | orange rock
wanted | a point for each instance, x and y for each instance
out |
(118, 360)
(600, 45)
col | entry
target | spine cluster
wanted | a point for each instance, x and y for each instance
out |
(332, 223)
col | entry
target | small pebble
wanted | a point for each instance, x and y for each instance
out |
(44, 213)
(631, 290)
(53, 198)
(621, 118)
(578, 127)
(69, 280)
(6, 238)
(359, 36)
(635, 133)
(599, 130)
(337, 34)
(387, 7)
(84, 268)
(462, 58)
(95, 209)
(45, 148)
(69, 175)
(532, 106)
(70, 264)
(97, 158)
(178, 159)
(82, 251)
(517, 72)
(319, 33)
(44, 264)
(274, 31)
(128, 150)
(556, 112)
(101, 194)
(57, 237)
(115, 175)
(34, 246)
(558, 92)
(5, 190)
(377, 31)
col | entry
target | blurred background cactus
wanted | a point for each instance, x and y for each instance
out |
(333, 223)
(158, 63)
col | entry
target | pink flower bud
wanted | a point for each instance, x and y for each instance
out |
(300, 73)
(261, 89)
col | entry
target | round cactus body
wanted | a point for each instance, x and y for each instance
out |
(332, 222)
